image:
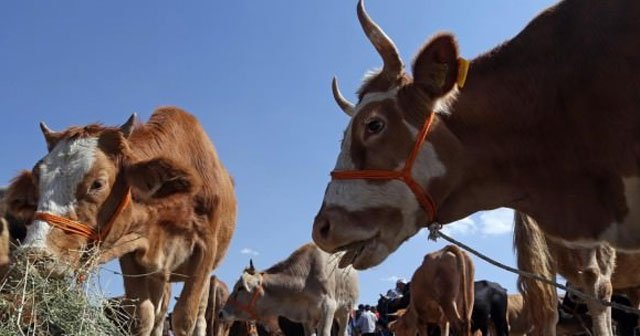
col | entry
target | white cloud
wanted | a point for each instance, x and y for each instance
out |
(497, 222)
(392, 278)
(487, 223)
(249, 251)
(464, 226)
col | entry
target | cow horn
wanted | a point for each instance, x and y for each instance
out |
(128, 126)
(50, 136)
(344, 104)
(251, 268)
(392, 67)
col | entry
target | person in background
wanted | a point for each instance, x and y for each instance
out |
(397, 291)
(366, 323)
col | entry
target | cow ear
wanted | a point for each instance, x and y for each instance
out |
(22, 197)
(435, 68)
(51, 137)
(246, 282)
(161, 177)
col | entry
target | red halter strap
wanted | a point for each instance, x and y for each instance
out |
(247, 308)
(403, 175)
(74, 227)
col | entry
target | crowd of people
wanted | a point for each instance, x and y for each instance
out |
(366, 320)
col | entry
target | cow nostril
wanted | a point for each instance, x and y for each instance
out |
(220, 315)
(324, 228)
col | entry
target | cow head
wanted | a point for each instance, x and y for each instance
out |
(370, 219)
(84, 177)
(247, 292)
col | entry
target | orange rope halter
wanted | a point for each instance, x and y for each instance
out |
(74, 227)
(403, 175)
(247, 308)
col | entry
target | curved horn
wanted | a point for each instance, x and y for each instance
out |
(392, 63)
(128, 126)
(344, 104)
(50, 136)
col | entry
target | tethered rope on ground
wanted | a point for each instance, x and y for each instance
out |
(435, 232)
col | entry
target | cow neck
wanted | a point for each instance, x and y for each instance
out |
(497, 135)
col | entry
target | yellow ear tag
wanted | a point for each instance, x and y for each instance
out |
(463, 68)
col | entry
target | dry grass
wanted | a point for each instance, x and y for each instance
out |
(33, 303)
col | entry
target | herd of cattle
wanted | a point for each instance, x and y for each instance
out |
(547, 123)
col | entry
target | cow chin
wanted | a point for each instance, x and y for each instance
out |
(366, 237)
(365, 255)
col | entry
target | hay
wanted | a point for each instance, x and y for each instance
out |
(33, 303)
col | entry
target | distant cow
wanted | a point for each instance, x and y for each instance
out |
(154, 195)
(218, 294)
(489, 305)
(308, 287)
(442, 293)
(519, 322)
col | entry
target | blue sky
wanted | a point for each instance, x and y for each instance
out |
(257, 74)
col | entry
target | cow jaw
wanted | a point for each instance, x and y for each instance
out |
(59, 174)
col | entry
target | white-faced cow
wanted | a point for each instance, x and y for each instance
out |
(308, 287)
(547, 123)
(154, 195)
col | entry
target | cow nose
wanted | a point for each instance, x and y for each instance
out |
(221, 315)
(322, 231)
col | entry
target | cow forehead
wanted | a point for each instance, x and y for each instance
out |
(372, 97)
(344, 157)
(64, 168)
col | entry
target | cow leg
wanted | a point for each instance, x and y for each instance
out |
(499, 316)
(146, 292)
(459, 326)
(342, 317)
(309, 330)
(597, 284)
(161, 310)
(187, 310)
(201, 323)
(326, 318)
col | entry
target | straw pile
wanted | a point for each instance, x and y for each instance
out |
(33, 303)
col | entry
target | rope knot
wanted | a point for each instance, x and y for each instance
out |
(434, 231)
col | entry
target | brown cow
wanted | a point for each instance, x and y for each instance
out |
(218, 294)
(441, 293)
(519, 322)
(547, 123)
(154, 195)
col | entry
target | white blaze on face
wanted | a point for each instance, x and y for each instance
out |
(358, 194)
(60, 172)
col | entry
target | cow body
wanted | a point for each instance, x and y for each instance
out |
(218, 294)
(519, 322)
(441, 293)
(154, 195)
(308, 287)
(489, 305)
(550, 90)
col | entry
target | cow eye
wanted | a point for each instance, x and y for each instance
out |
(97, 185)
(375, 126)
